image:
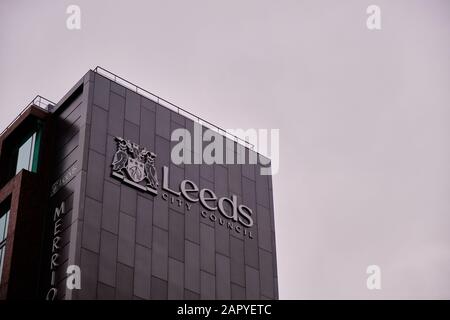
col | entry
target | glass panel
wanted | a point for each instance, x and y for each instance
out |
(36, 150)
(2, 249)
(3, 231)
(24, 155)
(6, 224)
(2, 228)
(30, 163)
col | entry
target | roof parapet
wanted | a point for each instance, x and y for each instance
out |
(37, 101)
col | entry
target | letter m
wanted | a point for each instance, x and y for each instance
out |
(249, 135)
(59, 211)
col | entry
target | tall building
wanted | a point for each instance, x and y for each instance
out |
(89, 189)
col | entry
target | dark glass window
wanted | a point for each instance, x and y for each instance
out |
(4, 219)
(20, 150)
(27, 154)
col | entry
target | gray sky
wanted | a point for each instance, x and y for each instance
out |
(364, 116)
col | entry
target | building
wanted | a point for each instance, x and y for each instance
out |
(88, 182)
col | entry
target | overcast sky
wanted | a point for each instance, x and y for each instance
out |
(364, 116)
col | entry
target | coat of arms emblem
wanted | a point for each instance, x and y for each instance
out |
(135, 165)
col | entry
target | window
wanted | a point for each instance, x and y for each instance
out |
(28, 152)
(4, 216)
(21, 149)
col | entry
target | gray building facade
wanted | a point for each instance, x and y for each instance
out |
(134, 244)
